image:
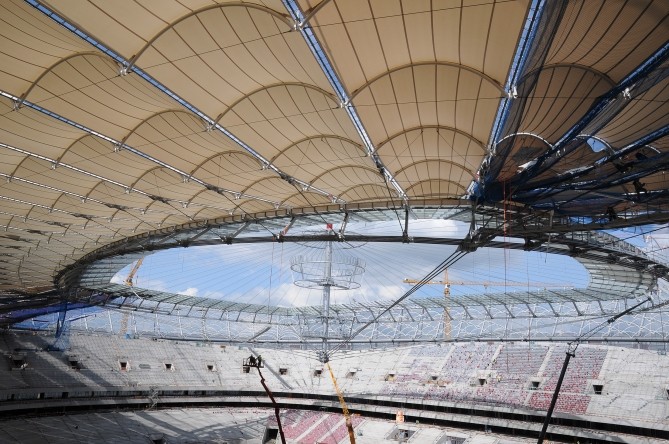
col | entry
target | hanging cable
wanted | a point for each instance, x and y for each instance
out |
(571, 352)
(271, 273)
(450, 260)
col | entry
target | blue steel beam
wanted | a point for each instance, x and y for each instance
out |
(322, 58)
(535, 188)
(542, 20)
(602, 106)
(525, 44)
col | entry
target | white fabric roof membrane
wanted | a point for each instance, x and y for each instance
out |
(93, 151)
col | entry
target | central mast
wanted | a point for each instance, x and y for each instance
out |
(327, 284)
(326, 269)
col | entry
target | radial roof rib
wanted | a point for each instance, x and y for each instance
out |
(402, 77)
(330, 70)
(605, 49)
(188, 49)
(608, 101)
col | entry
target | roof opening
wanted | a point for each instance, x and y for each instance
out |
(598, 388)
(596, 145)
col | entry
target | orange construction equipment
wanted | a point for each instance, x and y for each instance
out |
(347, 415)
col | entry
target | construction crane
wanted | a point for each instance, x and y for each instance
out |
(447, 291)
(487, 284)
(344, 408)
(129, 280)
(130, 283)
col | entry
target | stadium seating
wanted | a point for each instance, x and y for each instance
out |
(505, 375)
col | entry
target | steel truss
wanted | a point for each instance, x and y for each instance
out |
(620, 274)
(407, 323)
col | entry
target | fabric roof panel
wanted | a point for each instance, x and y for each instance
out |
(431, 143)
(453, 89)
(390, 32)
(343, 178)
(561, 95)
(100, 21)
(504, 31)
(315, 155)
(255, 49)
(31, 42)
(231, 170)
(647, 112)
(461, 36)
(180, 140)
(435, 187)
(474, 35)
(598, 33)
(34, 132)
(369, 192)
(167, 184)
(96, 96)
(98, 157)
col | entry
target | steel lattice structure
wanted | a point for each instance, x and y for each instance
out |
(169, 126)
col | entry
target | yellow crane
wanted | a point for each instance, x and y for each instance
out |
(447, 291)
(487, 284)
(129, 281)
(344, 408)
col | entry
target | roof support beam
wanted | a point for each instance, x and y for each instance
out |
(615, 155)
(319, 53)
(609, 105)
(210, 122)
(540, 24)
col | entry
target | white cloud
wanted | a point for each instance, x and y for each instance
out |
(191, 291)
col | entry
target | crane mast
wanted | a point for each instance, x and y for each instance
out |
(447, 292)
(129, 281)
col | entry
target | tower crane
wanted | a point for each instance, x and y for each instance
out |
(129, 281)
(447, 291)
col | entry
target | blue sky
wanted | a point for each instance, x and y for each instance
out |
(260, 273)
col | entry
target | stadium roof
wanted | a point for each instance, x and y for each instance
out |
(131, 125)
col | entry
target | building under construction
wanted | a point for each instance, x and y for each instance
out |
(333, 221)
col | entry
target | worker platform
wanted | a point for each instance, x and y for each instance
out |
(252, 361)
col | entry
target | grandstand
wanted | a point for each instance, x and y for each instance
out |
(327, 221)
